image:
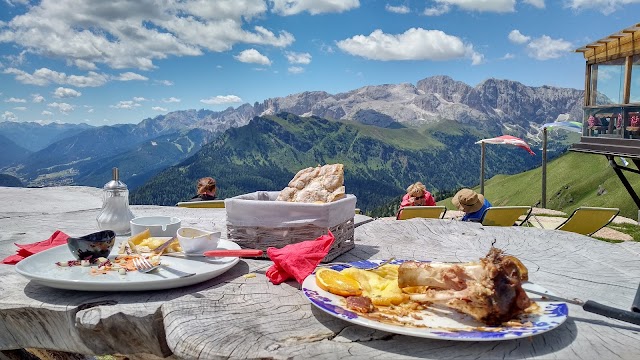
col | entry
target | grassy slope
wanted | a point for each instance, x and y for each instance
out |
(572, 181)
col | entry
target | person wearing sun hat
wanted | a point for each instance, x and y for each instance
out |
(471, 203)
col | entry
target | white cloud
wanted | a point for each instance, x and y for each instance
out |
(171, 100)
(497, 6)
(252, 56)
(436, 10)
(164, 82)
(20, 108)
(139, 99)
(507, 56)
(134, 34)
(82, 64)
(125, 104)
(314, 7)
(221, 99)
(37, 98)
(15, 100)
(62, 93)
(298, 58)
(44, 76)
(295, 69)
(545, 48)
(516, 36)
(605, 6)
(63, 108)
(536, 3)
(9, 116)
(414, 44)
(158, 108)
(401, 9)
(46, 113)
(129, 76)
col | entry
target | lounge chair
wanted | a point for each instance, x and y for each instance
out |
(430, 212)
(588, 220)
(217, 204)
(505, 215)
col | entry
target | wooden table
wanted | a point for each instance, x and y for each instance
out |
(248, 317)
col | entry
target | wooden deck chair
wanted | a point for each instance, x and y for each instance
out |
(429, 212)
(588, 220)
(505, 215)
(215, 204)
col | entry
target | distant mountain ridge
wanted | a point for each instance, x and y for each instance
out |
(35, 136)
(494, 106)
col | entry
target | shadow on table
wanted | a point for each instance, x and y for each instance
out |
(404, 345)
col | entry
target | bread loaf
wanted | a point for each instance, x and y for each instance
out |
(322, 184)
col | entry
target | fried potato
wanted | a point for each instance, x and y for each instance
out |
(137, 239)
(380, 285)
(144, 243)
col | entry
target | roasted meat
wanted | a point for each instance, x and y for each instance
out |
(489, 290)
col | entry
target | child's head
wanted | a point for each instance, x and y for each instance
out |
(206, 185)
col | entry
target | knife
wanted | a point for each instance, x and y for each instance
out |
(594, 307)
(234, 253)
(166, 244)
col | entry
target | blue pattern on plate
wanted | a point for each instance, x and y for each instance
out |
(551, 312)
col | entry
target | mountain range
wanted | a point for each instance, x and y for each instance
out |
(494, 107)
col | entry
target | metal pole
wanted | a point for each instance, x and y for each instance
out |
(482, 168)
(544, 168)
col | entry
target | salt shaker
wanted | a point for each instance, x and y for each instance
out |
(115, 214)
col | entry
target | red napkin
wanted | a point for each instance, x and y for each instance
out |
(298, 260)
(26, 250)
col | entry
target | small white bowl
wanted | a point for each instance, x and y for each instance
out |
(196, 241)
(157, 225)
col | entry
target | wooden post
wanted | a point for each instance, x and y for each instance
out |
(544, 168)
(482, 168)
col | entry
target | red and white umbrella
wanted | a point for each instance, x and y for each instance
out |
(509, 140)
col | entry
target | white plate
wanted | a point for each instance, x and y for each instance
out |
(42, 269)
(443, 323)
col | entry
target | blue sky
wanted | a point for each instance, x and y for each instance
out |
(109, 62)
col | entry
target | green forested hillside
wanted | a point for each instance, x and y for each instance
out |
(573, 180)
(379, 162)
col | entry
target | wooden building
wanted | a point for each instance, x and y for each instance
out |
(611, 124)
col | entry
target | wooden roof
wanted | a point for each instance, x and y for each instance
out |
(623, 43)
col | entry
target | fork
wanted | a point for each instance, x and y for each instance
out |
(144, 266)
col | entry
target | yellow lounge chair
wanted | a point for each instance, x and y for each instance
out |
(505, 215)
(588, 220)
(216, 204)
(430, 212)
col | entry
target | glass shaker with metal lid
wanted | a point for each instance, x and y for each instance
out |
(115, 214)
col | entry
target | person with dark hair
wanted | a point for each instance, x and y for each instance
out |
(206, 188)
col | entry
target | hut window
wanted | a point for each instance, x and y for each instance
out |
(607, 82)
(634, 91)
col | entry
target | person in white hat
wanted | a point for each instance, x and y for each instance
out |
(472, 203)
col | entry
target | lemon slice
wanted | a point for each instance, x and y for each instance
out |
(336, 283)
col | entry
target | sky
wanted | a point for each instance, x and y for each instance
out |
(111, 62)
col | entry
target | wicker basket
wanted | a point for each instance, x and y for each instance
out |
(257, 221)
(255, 237)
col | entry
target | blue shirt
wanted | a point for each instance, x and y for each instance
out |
(477, 216)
